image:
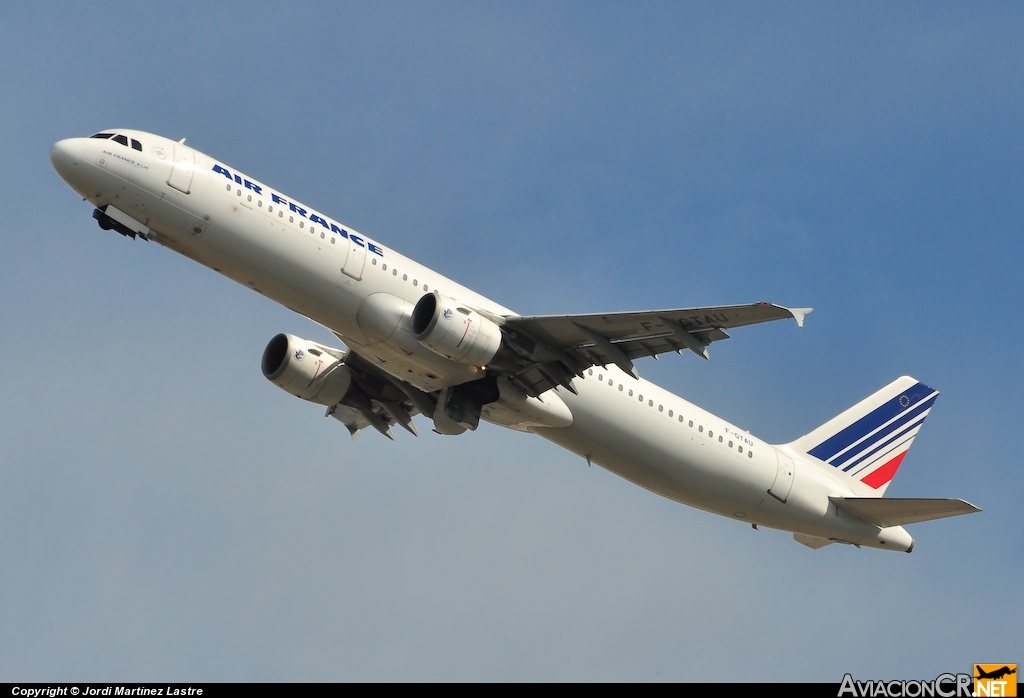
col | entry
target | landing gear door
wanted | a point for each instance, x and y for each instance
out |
(356, 257)
(783, 478)
(182, 169)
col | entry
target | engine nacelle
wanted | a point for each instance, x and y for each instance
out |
(306, 370)
(454, 331)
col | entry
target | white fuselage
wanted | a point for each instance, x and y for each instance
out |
(364, 292)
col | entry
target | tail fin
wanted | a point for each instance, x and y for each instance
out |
(868, 441)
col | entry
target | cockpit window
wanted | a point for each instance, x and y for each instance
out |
(102, 135)
(136, 145)
(123, 140)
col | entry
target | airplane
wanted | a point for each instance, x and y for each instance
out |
(995, 673)
(418, 343)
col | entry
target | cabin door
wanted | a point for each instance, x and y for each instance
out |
(356, 257)
(182, 169)
(783, 477)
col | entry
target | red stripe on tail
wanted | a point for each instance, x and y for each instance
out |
(879, 477)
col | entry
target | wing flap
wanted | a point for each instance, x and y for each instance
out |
(385, 400)
(896, 511)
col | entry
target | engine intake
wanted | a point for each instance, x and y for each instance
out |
(306, 370)
(450, 329)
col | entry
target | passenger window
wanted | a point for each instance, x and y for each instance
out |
(600, 377)
(691, 423)
(332, 242)
(701, 428)
(710, 433)
(730, 444)
(384, 267)
(620, 387)
(280, 214)
(741, 449)
(260, 203)
(611, 382)
(415, 282)
(136, 145)
(631, 393)
(680, 419)
(661, 408)
(650, 403)
(123, 140)
(424, 285)
(238, 193)
(228, 188)
(719, 438)
(291, 219)
(394, 272)
(590, 371)
(322, 235)
(640, 397)
(249, 197)
(670, 413)
(405, 277)
(750, 454)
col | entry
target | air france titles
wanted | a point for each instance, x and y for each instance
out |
(298, 210)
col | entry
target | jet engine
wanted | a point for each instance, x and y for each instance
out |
(450, 329)
(306, 369)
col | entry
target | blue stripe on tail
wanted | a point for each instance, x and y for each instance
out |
(871, 421)
(882, 433)
(881, 446)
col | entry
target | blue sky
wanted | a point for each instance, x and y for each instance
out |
(168, 514)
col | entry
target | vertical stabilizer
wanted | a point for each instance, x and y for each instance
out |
(868, 441)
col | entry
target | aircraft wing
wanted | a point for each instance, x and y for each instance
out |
(557, 347)
(383, 400)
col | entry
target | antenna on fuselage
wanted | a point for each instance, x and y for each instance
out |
(181, 142)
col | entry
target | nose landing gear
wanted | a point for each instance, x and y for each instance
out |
(110, 218)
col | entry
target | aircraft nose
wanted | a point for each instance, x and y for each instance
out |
(64, 156)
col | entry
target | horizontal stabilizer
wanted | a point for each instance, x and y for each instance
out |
(897, 511)
(812, 542)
